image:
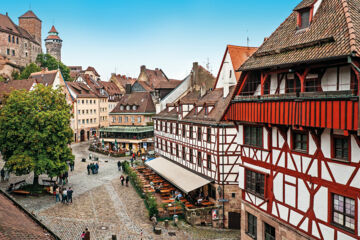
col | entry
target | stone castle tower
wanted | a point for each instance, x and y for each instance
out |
(53, 44)
(32, 24)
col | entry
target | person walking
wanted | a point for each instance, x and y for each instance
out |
(87, 234)
(57, 194)
(96, 168)
(88, 169)
(122, 180)
(82, 235)
(69, 195)
(119, 165)
(64, 196)
(127, 181)
(2, 173)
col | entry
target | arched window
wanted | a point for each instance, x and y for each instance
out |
(134, 107)
(128, 107)
(121, 107)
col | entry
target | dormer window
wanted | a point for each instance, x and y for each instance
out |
(303, 20)
(128, 107)
(134, 107)
(122, 107)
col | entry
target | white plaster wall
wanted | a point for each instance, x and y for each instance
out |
(258, 90)
(321, 204)
(290, 195)
(241, 177)
(328, 233)
(257, 168)
(312, 145)
(274, 137)
(175, 94)
(344, 236)
(325, 143)
(282, 86)
(341, 172)
(224, 76)
(284, 212)
(355, 150)
(278, 187)
(265, 138)
(303, 196)
(295, 218)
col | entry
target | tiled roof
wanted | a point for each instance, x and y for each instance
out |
(81, 90)
(44, 77)
(92, 69)
(16, 224)
(7, 87)
(304, 4)
(123, 80)
(156, 79)
(142, 100)
(110, 88)
(29, 14)
(53, 30)
(333, 33)
(8, 26)
(53, 37)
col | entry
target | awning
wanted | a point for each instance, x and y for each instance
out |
(180, 177)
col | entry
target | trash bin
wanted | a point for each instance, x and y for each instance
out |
(176, 218)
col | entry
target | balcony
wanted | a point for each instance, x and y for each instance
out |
(334, 110)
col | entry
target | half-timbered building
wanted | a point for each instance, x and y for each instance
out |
(190, 133)
(296, 109)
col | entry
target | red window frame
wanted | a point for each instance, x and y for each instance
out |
(292, 141)
(333, 136)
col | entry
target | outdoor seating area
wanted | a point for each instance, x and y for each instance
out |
(171, 200)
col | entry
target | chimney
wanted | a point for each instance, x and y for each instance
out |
(195, 74)
(128, 88)
(142, 68)
(156, 69)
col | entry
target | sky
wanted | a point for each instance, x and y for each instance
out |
(121, 35)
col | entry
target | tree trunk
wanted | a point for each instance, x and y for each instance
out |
(36, 179)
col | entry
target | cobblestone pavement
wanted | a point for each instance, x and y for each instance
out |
(103, 206)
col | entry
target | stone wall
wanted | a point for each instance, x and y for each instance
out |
(54, 49)
(32, 26)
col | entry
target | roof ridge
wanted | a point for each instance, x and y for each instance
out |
(350, 25)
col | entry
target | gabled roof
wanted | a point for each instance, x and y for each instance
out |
(238, 55)
(7, 87)
(333, 33)
(156, 79)
(44, 77)
(8, 26)
(110, 88)
(123, 80)
(142, 100)
(81, 90)
(29, 14)
(92, 69)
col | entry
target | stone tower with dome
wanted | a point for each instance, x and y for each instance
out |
(53, 44)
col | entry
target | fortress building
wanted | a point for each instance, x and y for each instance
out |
(53, 44)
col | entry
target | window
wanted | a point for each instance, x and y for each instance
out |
(343, 212)
(83, 111)
(340, 147)
(113, 119)
(191, 155)
(177, 129)
(199, 136)
(26, 45)
(87, 120)
(13, 52)
(208, 134)
(79, 112)
(8, 51)
(230, 74)
(13, 39)
(269, 232)
(128, 107)
(94, 110)
(90, 101)
(212, 191)
(26, 54)
(82, 101)
(292, 84)
(183, 153)
(90, 111)
(120, 119)
(139, 119)
(132, 119)
(166, 147)
(161, 126)
(304, 19)
(91, 120)
(121, 107)
(208, 161)
(183, 130)
(171, 128)
(199, 162)
(134, 107)
(251, 225)
(94, 101)
(87, 101)
(126, 119)
(83, 121)
(300, 141)
(177, 150)
(253, 136)
(191, 132)
(255, 183)
(9, 38)
(94, 120)
(87, 111)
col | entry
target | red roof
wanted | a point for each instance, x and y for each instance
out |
(29, 14)
(141, 99)
(92, 69)
(53, 37)
(53, 30)
(7, 87)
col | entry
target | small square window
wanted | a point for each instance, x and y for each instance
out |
(300, 141)
(341, 147)
(233, 195)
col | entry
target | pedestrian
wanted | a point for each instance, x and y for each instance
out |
(66, 177)
(154, 221)
(69, 195)
(122, 180)
(92, 168)
(127, 181)
(123, 166)
(64, 196)
(2, 173)
(134, 156)
(87, 234)
(119, 165)
(96, 168)
(132, 161)
(82, 235)
(57, 194)
(88, 169)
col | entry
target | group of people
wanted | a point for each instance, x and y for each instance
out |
(122, 179)
(66, 194)
(63, 178)
(93, 168)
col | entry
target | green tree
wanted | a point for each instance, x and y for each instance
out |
(15, 75)
(29, 69)
(35, 132)
(49, 62)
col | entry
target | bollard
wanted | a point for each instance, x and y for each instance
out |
(113, 237)
(166, 223)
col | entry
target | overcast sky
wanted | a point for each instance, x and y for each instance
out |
(170, 35)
